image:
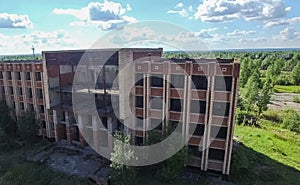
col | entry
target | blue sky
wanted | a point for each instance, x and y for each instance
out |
(218, 24)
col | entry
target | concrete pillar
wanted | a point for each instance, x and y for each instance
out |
(57, 127)
(80, 126)
(96, 134)
(110, 143)
(68, 128)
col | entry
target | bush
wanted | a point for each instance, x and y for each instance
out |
(296, 99)
(27, 127)
(283, 80)
(291, 120)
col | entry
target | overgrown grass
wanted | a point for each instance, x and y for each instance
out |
(296, 99)
(287, 89)
(269, 154)
(33, 174)
(14, 171)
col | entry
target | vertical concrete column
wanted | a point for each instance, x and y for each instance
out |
(57, 127)
(110, 143)
(96, 133)
(68, 128)
(80, 126)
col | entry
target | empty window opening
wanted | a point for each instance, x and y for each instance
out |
(177, 81)
(221, 108)
(216, 154)
(175, 105)
(223, 83)
(196, 129)
(156, 81)
(199, 82)
(218, 132)
(139, 101)
(198, 107)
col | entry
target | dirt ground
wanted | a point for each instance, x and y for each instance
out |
(283, 101)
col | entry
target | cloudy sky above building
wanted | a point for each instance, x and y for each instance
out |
(220, 24)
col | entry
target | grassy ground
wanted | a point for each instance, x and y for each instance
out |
(14, 171)
(287, 89)
(267, 155)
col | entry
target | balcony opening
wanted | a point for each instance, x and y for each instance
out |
(175, 105)
(8, 75)
(38, 76)
(139, 101)
(216, 154)
(18, 75)
(221, 108)
(194, 150)
(156, 103)
(218, 132)
(198, 107)
(223, 83)
(199, 82)
(157, 81)
(177, 81)
(196, 129)
(27, 76)
(139, 79)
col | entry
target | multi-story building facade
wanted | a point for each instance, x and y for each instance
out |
(197, 95)
(22, 89)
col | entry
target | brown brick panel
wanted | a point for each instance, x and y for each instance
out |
(28, 67)
(9, 82)
(52, 71)
(21, 98)
(178, 68)
(215, 165)
(39, 84)
(156, 92)
(175, 116)
(51, 118)
(39, 67)
(9, 67)
(199, 95)
(236, 70)
(1, 67)
(12, 97)
(139, 112)
(18, 67)
(219, 144)
(197, 118)
(139, 90)
(222, 96)
(155, 114)
(30, 100)
(223, 69)
(195, 140)
(145, 55)
(66, 79)
(40, 101)
(200, 69)
(19, 83)
(177, 93)
(69, 134)
(139, 133)
(221, 121)
(28, 84)
(1, 82)
(140, 67)
(157, 68)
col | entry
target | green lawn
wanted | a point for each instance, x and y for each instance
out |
(267, 155)
(287, 89)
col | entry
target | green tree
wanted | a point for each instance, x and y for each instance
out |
(245, 71)
(27, 127)
(264, 97)
(291, 120)
(296, 74)
(3, 141)
(123, 174)
(6, 123)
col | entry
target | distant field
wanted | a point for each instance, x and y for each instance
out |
(287, 89)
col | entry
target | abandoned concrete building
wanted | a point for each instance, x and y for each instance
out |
(199, 95)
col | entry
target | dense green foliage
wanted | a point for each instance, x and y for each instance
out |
(291, 120)
(123, 174)
(31, 174)
(27, 127)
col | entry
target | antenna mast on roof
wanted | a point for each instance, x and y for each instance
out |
(33, 52)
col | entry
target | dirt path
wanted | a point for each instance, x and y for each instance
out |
(283, 101)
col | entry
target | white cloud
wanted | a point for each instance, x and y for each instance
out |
(287, 34)
(240, 33)
(253, 40)
(106, 15)
(226, 10)
(14, 21)
(205, 33)
(182, 12)
(178, 9)
(179, 5)
(282, 22)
